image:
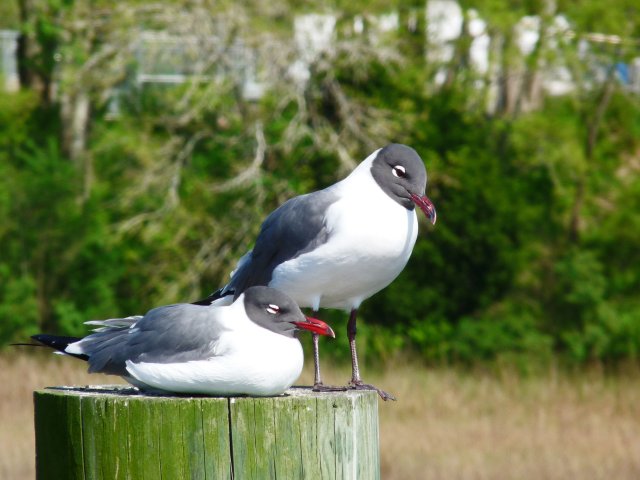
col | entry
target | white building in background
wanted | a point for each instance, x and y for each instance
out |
(165, 59)
(527, 34)
(313, 35)
(9, 60)
(444, 19)
(168, 59)
(387, 22)
(556, 78)
(479, 50)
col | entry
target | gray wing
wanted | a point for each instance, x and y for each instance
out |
(296, 227)
(174, 333)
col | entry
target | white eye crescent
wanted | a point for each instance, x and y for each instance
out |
(273, 309)
(399, 171)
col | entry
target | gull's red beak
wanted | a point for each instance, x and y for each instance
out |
(316, 326)
(426, 206)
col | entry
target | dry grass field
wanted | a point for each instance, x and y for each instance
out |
(446, 424)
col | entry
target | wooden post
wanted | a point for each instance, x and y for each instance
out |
(117, 433)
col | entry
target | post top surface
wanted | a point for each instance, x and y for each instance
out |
(125, 391)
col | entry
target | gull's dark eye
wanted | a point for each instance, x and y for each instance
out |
(399, 171)
(273, 309)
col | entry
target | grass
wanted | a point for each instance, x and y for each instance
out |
(449, 424)
(446, 424)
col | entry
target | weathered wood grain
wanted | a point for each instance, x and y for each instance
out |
(116, 433)
(59, 452)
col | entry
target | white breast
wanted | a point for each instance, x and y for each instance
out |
(370, 241)
(247, 359)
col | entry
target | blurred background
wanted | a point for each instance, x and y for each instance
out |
(142, 144)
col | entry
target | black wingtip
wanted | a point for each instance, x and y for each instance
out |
(59, 343)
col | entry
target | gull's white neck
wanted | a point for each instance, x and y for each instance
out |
(358, 179)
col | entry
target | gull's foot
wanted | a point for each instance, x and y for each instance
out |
(321, 387)
(359, 385)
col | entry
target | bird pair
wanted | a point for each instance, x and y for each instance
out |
(332, 248)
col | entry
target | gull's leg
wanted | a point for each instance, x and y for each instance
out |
(318, 386)
(356, 382)
(351, 333)
(317, 380)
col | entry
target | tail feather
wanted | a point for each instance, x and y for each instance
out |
(59, 343)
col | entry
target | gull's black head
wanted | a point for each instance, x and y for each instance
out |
(400, 173)
(276, 311)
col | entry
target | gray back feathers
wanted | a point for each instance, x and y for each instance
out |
(296, 227)
(174, 333)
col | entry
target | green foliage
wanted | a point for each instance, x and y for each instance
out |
(18, 305)
(535, 252)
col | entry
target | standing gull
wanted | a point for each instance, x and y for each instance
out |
(336, 247)
(248, 347)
